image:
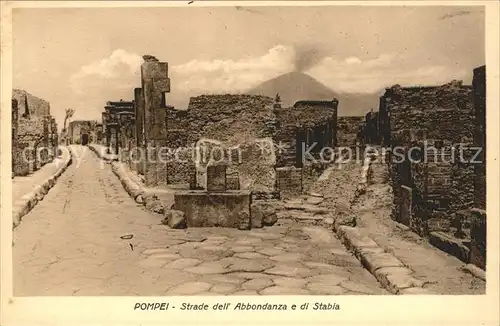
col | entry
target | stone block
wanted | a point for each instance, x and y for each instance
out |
(222, 209)
(216, 178)
(450, 245)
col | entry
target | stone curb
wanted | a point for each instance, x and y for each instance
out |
(23, 206)
(385, 267)
(105, 157)
(135, 190)
(476, 271)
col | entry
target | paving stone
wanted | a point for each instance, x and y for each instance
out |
(357, 287)
(224, 288)
(242, 248)
(289, 282)
(249, 266)
(245, 292)
(265, 235)
(279, 290)
(190, 288)
(257, 284)
(249, 275)
(152, 262)
(326, 289)
(216, 239)
(157, 251)
(291, 270)
(272, 251)
(250, 255)
(206, 255)
(183, 263)
(210, 267)
(166, 256)
(287, 257)
(223, 278)
(330, 279)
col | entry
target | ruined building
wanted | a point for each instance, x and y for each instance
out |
(34, 133)
(437, 161)
(115, 112)
(83, 132)
(429, 128)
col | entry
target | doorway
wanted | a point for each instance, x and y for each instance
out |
(85, 139)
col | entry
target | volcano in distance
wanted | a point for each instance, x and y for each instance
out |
(296, 86)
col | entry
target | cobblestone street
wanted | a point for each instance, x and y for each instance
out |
(70, 244)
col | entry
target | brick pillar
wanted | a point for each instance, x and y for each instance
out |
(155, 83)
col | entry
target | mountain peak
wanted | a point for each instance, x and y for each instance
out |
(298, 86)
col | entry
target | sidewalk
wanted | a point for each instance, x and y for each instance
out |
(24, 184)
(442, 273)
(101, 152)
(28, 190)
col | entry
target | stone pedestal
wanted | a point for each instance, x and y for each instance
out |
(229, 209)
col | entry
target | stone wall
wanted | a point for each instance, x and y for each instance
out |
(348, 129)
(28, 103)
(479, 95)
(77, 128)
(305, 128)
(238, 124)
(32, 132)
(430, 117)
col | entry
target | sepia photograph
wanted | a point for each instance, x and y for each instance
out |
(248, 150)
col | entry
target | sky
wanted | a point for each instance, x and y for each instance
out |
(80, 58)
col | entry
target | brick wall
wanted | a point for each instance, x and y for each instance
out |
(439, 117)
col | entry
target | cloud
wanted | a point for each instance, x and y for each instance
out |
(220, 76)
(114, 77)
(353, 75)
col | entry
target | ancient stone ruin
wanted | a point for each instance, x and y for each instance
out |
(34, 133)
(84, 132)
(437, 161)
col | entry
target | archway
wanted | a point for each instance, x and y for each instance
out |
(85, 139)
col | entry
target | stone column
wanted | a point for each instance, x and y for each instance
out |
(155, 83)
